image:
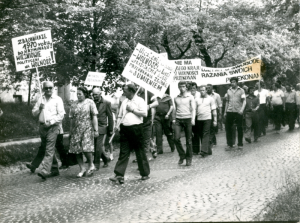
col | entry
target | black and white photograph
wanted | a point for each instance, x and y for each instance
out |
(149, 111)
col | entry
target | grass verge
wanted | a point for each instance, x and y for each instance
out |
(17, 121)
(286, 206)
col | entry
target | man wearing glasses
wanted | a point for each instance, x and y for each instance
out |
(104, 114)
(50, 109)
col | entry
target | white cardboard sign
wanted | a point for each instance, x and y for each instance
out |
(149, 70)
(33, 50)
(95, 78)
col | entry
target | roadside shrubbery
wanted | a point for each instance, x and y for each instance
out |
(17, 121)
(286, 206)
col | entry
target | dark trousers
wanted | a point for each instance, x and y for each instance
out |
(290, 114)
(131, 137)
(212, 133)
(277, 116)
(195, 138)
(262, 119)
(231, 118)
(187, 126)
(251, 123)
(203, 128)
(98, 143)
(163, 125)
(147, 133)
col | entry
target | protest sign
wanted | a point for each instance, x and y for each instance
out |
(95, 78)
(246, 71)
(188, 70)
(149, 70)
(33, 50)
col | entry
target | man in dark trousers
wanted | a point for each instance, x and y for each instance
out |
(290, 106)
(184, 117)
(235, 105)
(104, 114)
(131, 114)
(251, 115)
(162, 122)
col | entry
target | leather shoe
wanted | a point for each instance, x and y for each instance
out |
(105, 165)
(29, 166)
(181, 161)
(188, 162)
(44, 176)
(145, 178)
(160, 152)
(116, 178)
(248, 140)
(203, 154)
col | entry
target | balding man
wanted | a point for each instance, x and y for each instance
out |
(105, 126)
(50, 109)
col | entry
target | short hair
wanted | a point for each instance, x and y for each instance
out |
(182, 83)
(193, 84)
(209, 85)
(203, 86)
(278, 85)
(84, 90)
(131, 88)
(262, 84)
(234, 79)
(288, 85)
(250, 88)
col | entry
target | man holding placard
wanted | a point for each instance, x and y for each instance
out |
(50, 109)
(131, 114)
(184, 117)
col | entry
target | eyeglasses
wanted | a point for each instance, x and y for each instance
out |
(48, 88)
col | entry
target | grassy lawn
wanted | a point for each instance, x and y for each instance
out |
(18, 122)
(286, 206)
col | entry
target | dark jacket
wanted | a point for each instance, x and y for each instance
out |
(104, 114)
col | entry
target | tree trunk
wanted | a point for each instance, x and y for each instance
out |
(94, 38)
(29, 89)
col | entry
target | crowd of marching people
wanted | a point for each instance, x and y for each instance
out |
(142, 119)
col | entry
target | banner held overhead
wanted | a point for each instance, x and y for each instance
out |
(249, 70)
(33, 50)
(149, 70)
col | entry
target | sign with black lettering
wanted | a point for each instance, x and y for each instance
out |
(149, 70)
(33, 50)
(249, 70)
(95, 78)
(188, 70)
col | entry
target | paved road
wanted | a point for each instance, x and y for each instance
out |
(227, 186)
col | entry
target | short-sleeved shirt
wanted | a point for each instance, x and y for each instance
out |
(164, 105)
(298, 97)
(263, 94)
(217, 99)
(235, 99)
(251, 103)
(184, 106)
(276, 97)
(131, 118)
(204, 106)
(149, 101)
(290, 97)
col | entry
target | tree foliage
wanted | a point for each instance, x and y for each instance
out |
(100, 35)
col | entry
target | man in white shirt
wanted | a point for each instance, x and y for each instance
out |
(50, 109)
(277, 101)
(263, 96)
(131, 114)
(205, 107)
